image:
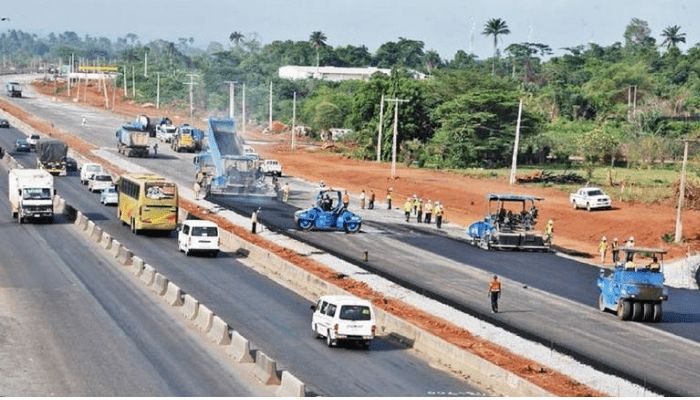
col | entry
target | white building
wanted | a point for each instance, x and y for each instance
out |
(334, 74)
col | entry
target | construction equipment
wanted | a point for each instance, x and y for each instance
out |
(52, 155)
(328, 213)
(509, 224)
(183, 139)
(634, 289)
(222, 168)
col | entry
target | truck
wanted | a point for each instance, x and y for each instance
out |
(52, 156)
(183, 139)
(590, 198)
(31, 194)
(132, 141)
(634, 288)
(13, 89)
(165, 130)
(271, 167)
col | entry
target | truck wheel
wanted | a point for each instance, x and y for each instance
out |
(14, 215)
(134, 230)
(648, 312)
(573, 203)
(20, 219)
(657, 313)
(601, 303)
(329, 341)
(637, 311)
(624, 310)
(588, 206)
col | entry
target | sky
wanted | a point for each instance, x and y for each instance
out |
(443, 25)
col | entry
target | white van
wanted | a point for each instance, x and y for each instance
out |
(343, 318)
(87, 170)
(198, 236)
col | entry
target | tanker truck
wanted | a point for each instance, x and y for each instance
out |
(52, 156)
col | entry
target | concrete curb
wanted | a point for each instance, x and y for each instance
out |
(89, 227)
(219, 331)
(137, 266)
(239, 349)
(80, 221)
(190, 307)
(114, 250)
(290, 386)
(173, 295)
(266, 369)
(147, 275)
(203, 319)
(160, 284)
(106, 240)
(124, 255)
(96, 234)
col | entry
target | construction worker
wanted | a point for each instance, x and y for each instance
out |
(155, 150)
(254, 221)
(388, 199)
(603, 249)
(419, 211)
(630, 242)
(416, 200)
(285, 192)
(371, 200)
(439, 212)
(549, 231)
(362, 199)
(494, 293)
(615, 247)
(428, 211)
(407, 206)
(346, 200)
(654, 265)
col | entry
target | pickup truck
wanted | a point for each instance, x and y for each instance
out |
(590, 198)
(271, 167)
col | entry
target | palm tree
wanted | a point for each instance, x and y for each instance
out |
(318, 40)
(236, 37)
(672, 36)
(495, 27)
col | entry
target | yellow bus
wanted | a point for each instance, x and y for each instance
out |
(147, 202)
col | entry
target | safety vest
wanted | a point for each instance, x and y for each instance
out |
(438, 211)
(495, 286)
(416, 202)
(603, 246)
(550, 227)
(428, 208)
(407, 206)
(346, 198)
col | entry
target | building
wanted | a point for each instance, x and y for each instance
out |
(334, 74)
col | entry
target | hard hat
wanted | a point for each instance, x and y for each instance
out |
(615, 239)
(604, 238)
(631, 238)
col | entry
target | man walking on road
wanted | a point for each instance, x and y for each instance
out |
(603, 249)
(428, 210)
(285, 192)
(407, 206)
(388, 199)
(254, 221)
(371, 200)
(362, 199)
(439, 211)
(549, 232)
(615, 251)
(494, 293)
(419, 211)
(346, 200)
(155, 150)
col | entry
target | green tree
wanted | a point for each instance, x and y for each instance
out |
(327, 115)
(235, 38)
(495, 27)
(318, 41)
(672, 36)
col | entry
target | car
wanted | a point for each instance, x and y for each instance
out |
(198, 236)
(109, 196)
(328, 214)
(22, 145)
(71, 164)
(88, 170)
(100, 181)
(343, 318)
(590, 198)
(4, 123)
(33, 139)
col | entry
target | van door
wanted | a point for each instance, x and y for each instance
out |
(319, 320)
(183, 235)
(355, 320)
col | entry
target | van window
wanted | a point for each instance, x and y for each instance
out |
(103, 178)
(204, 231)
(186, 229)
(355, 313)
(322, 310)
(331, 310)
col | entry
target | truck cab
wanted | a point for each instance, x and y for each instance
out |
(31, 194)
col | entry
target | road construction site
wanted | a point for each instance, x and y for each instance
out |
(548, 297)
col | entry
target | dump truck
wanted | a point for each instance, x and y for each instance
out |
(31, 194)
(13, 89)
(52, 155)
(183, 140)
(132, 142)
(634, 288)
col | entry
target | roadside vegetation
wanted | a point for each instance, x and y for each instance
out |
(615, 114)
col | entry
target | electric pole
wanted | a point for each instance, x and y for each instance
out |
(381, 127)
(294, 120)
(191, 84)
(514, 164)
(231, 98)
(133, 82)
(145, 64)
(126, 89)
(243, 110)
(157, 90)
(269, 126)
(396, 130)
(681, 192)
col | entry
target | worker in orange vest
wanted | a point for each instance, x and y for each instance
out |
(494, 293)
(346, 200)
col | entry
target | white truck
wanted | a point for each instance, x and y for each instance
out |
(271, 167)
(590, 198)
(31, 194)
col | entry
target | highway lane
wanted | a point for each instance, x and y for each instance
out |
(71, 324)
(408, 253)
(274, 318)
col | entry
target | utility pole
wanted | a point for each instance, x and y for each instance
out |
(191, 83)
(231, 98)
(126, 89)
(157, 90)
(70, 71)
(243, 116)
(133, 82)
(145, 64)
(514, 164)
(396, 130)
(681, 192)
(294, 120)
(114, 89)
(381, 127)
(634, 102)
(269, 126)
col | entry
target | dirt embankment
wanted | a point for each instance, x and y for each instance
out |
(553, 381)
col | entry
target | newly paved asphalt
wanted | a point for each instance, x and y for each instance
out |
(274, 318)
(456, 274)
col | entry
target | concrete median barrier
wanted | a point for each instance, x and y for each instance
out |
(239, 349)
(219, 331)
(124, 255)
(147, 275)
(89, 227)
(96, 234)
(137, 266)
(190, 307)
(160, 284)
(203, 319)
(266, 369)
(80, 221)
(290, 386)
(59, 204)
(106, 240)
(173, 295)
(114, 250)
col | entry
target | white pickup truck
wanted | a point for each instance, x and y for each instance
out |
(271, 167)
(590, 198)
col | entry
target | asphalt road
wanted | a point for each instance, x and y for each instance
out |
(71, 324)
(275, 319)
(451, 271)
